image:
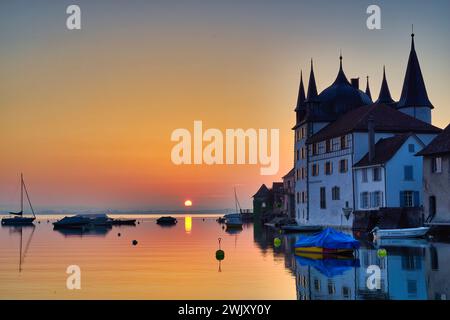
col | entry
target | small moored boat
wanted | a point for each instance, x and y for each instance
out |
(166, 221)
(400, 233)
(19, 219)
(84, 220)
(126, 222)
(327, 242)
(74, 222)
(234, 220)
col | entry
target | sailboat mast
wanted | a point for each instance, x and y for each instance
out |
(28, 198)
(21, 192)
(20, 251)
(235, 200)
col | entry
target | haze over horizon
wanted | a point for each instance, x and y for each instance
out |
(87, 115)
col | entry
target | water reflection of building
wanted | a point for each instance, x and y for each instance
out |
(439, 271)
(314, 285)
(369, 257)
(412, 270)
(406, 273)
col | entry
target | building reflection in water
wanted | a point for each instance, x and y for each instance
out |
(412, 270)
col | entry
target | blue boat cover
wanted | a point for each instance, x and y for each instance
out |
(329, 239)
(329, 267)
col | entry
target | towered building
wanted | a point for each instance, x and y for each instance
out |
(341, 127)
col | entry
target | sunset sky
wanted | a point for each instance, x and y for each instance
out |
(87, 115)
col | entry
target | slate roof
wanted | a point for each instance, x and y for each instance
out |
(385, 93)
(386, 119)
(289, 174)
(263, 192)
(385, 149)
(439, 145)
(414, 92)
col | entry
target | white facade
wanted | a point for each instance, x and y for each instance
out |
(328, 193)
(370, 187)
(302, 169)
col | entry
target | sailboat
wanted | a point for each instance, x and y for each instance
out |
(234, 220)
(19, 219)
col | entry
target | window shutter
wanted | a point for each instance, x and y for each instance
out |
(402, 199)
(416, 199)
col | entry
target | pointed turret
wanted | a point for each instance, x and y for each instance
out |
(301, 94)
(369, 94)
(312, 88)
(300, 109)
(385, 94)
(341, 78)
(414, 98)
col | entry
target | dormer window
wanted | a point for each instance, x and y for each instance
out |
(328, 145)
(343, 142)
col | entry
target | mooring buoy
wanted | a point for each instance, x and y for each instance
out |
(135, 242)
(277, 242)
(220, 254)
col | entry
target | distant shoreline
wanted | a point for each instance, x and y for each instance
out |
(199, 212)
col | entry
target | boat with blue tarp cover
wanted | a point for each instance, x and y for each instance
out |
(329, 241)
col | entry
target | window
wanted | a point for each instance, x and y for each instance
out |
(303, 153)
(409, 198)
(303, 132)
(343, 142)
(411, 148)
(315, 149)
(315, 170)
(432, 206)
(303, 197)
(436, 165)
(335, 193)
(364, 175)
(331, 288)
(328, 168)
(376, 174)
(321, 147)
(328, 145)
(412, 287)
(364, 200)
(336, 144)
(346, 292)
(343, 166)
(298, 197)
(377, 199)
(408, 170)
(297, 155)
(323, 201)
(317, 284)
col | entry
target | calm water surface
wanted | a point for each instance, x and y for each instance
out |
(179, 263)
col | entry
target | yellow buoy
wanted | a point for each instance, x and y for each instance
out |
(277, 242)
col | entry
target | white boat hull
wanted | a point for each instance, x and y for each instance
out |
(401, 233)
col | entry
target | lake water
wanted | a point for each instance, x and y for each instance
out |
(179, 262)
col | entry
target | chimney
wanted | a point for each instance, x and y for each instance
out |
(355, 83)
(371, 136)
